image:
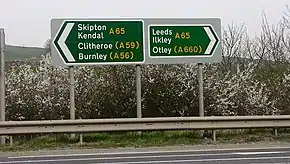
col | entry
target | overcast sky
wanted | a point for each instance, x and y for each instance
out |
(27, 22)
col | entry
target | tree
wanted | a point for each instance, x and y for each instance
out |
(47, 46)
(233, 47)
(286, 24)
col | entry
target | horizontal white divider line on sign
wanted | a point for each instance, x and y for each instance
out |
(143, 124)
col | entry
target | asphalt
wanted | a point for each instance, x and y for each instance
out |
(229, 156)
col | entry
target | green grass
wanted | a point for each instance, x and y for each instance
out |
(23, 53)
(146, 139)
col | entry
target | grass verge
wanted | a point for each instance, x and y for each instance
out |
(145, 139)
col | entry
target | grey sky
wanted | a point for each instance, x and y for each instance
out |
(27, 22)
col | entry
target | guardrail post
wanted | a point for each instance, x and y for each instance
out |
(276, 132)
(11, 141)
(214, 135)
(81, 137)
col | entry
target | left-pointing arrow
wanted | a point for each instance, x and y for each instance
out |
(62, 39)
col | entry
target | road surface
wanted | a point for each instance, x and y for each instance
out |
(228, 156)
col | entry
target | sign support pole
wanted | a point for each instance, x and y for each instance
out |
(2, 80)
(72, 94)
(138, 91)
(200, 90)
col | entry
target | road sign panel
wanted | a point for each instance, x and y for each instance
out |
(145, 41)
(90, 42)
(175, 41)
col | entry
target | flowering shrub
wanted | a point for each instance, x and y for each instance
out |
(239, 93)
(41, 91)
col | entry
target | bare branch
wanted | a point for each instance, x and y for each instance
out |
(286, 17)
(232, 40)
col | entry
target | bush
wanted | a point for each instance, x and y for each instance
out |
(41, 91)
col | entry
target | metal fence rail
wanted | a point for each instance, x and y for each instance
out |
(143, 124)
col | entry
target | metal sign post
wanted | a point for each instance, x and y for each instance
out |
(2, 80)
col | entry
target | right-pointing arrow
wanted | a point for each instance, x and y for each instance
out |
(62, 39)
(212, 40)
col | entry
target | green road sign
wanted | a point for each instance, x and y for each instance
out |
(89, 42)
(176, 41)
(110, 41)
